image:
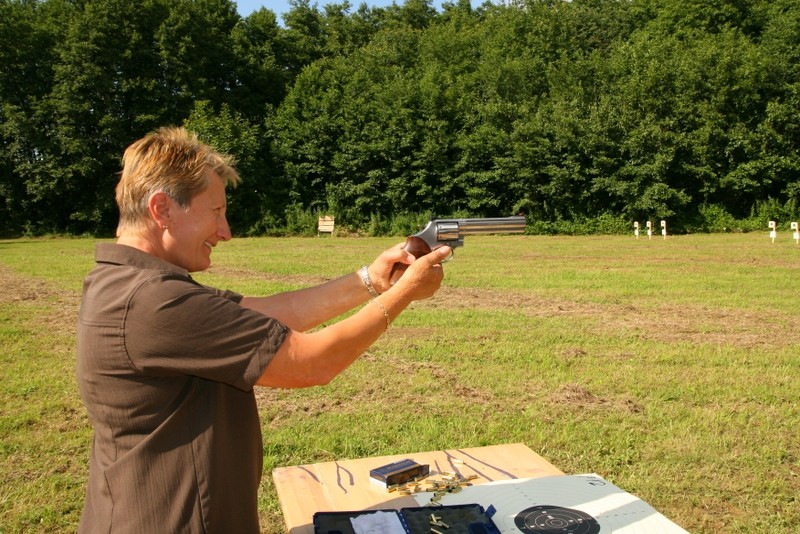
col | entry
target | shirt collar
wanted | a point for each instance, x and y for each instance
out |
(124, 255)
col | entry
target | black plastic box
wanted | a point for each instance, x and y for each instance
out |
(460, 519)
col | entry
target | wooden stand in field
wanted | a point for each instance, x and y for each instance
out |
(326, 224)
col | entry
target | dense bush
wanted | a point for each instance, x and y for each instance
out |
(584, 115)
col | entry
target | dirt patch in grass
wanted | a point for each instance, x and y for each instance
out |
(668, 324)
(408, 378)
(251, 275)
(63, 305)
(578, 396)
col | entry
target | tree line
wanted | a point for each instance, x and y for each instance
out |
(581, 114)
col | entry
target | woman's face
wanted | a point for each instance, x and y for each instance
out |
(194, 232)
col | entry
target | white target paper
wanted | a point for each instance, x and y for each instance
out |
(576, 504)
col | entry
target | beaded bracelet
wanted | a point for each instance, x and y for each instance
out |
(385, 312)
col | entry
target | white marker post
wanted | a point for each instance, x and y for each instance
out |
(795, 233)
(636, 229)
(649, 230)
(664, 229)
(772, 231)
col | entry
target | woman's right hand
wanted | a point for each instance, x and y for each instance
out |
(423, 277)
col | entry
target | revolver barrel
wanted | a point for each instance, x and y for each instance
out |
(451, 229)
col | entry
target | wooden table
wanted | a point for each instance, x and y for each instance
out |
(344, 485)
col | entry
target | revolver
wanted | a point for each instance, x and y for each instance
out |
(451, 232)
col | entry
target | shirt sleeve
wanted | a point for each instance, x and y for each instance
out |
(174, 326)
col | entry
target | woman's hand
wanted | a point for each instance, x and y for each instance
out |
(424, 276)
(382, 271)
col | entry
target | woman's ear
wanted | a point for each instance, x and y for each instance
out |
(159, 206)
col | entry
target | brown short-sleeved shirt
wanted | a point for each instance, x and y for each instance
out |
(166, 368)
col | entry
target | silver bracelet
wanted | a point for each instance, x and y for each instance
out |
(364, 273)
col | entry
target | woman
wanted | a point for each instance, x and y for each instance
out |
(166, 366)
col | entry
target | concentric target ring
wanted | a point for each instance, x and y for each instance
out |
(547, 519)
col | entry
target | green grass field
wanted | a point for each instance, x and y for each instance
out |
(669, 367)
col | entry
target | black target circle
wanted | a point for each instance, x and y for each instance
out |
(546, 519)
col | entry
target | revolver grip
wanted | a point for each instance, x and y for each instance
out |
(415, 246)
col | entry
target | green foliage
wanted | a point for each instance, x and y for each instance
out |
(406, 224)
(260, 197)
(603, 224)
(300, 221)
(714, 218)
(568, 111)
(773, 210)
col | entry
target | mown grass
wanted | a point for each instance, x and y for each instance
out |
(669, 367)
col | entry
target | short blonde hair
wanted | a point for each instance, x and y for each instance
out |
(171, 160)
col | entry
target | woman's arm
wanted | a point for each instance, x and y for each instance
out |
(316, 358)
(307, 308)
